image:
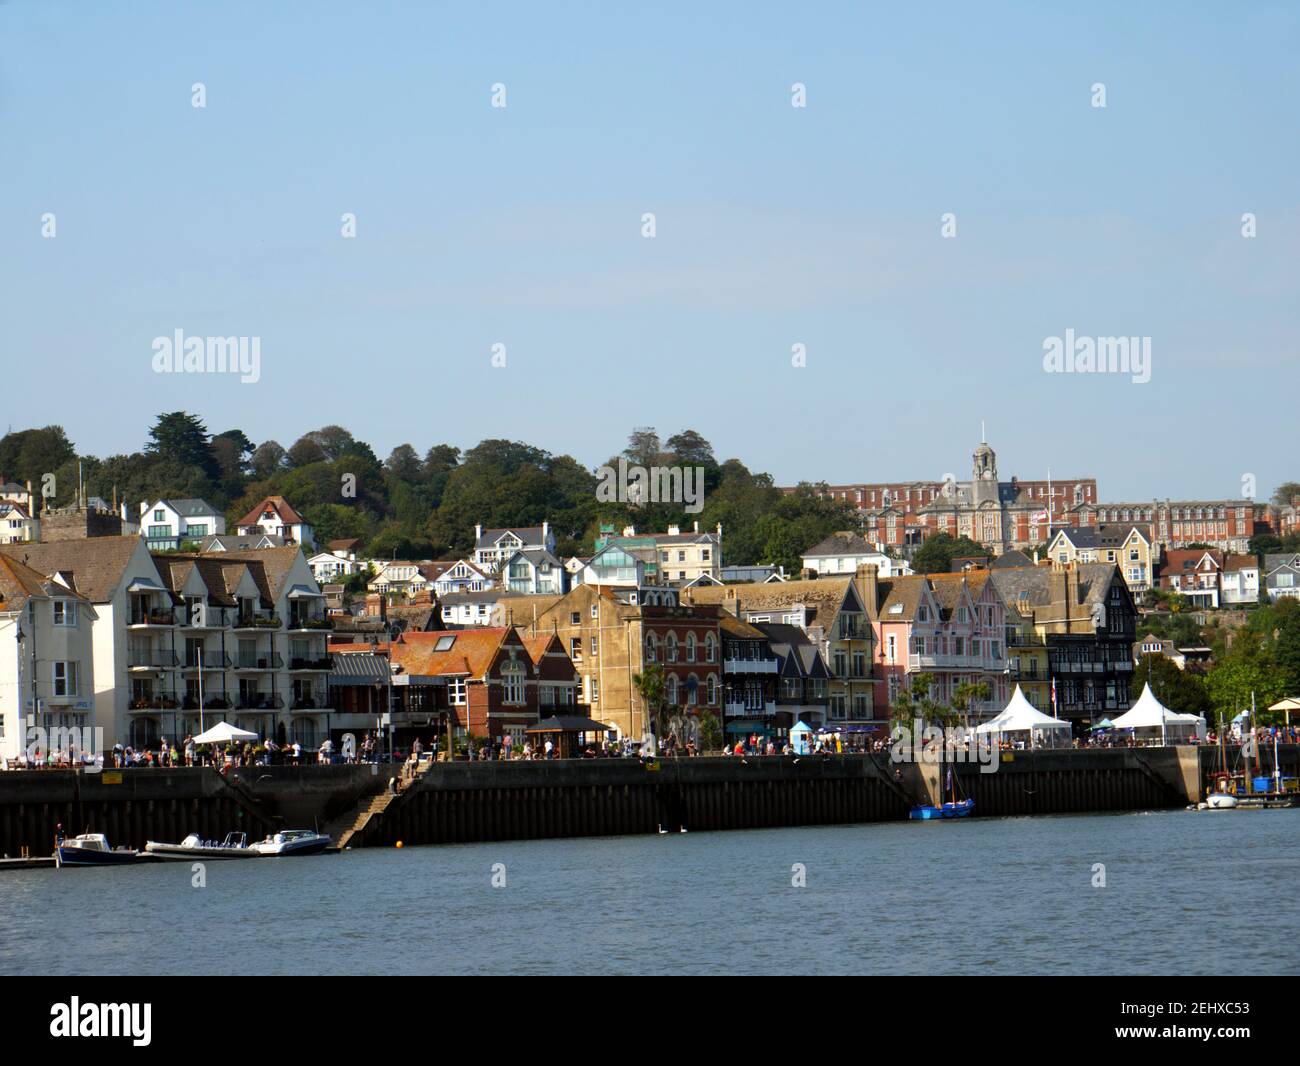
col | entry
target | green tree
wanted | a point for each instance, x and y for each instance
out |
(651, 685)
(181, 438)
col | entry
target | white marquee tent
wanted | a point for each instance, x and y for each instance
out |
(1150, 713)
(224, 733)
(1021, 716)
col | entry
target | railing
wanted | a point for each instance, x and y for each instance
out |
(311, 623)
(159, 617)
(272, 661)
(310, 701)
(259, 701)
(956, 662)
(154, 703)
(740, 709)
(749, 666)
(146, 657)
(257, 621)
(310, 664)
(212, 660)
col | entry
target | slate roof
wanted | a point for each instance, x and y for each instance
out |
(93, 566)
(843, 543)
(528, 534)
(821, 599)
(279, 505)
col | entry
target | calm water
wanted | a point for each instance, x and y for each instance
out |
(1186, 893)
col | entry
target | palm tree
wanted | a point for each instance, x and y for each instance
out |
(651, 685)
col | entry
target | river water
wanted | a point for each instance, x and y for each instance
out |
(1185, 893)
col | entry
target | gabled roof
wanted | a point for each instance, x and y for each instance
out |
(219, 542)
(527, 534)
(1109, 535)
(1274, 561)
(1188, 560)
(1035, 583)
(842, 543)
(275, 566)
(188, 507)
(1240, 562)
(535, 556)
(466, 651)
(821, 599)
(20, 583)
(344, 544)
(94, 566)
(279, 505)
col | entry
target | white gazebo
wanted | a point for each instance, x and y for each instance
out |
(1021, 716)
(224, 733)
(1150, 713)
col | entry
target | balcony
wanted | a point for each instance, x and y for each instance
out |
(310, 701)
(310, 624)
(154, 703)
(749, 666)
(244, 620)
(258, 701)
(270, 661)
(210, 703)
(917, 661)
(149, 659)
(212, 660)
(745, 710)
(145, 619)
(212, 618)
(310, 664)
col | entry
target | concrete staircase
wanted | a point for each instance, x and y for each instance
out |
(346, 826)
(343, 829)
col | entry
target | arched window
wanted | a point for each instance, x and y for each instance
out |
(651, 649)
(712, 690)
(710, 648)
(693, 690)
(690, 647)
(670, 690)
(670, 646)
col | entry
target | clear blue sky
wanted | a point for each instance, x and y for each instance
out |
(775, 226)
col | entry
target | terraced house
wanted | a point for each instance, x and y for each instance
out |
(1084, 614)
(833, 613)
(949, 626)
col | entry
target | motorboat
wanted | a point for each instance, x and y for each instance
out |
(90, 849)
(292, 842)
(235, 846)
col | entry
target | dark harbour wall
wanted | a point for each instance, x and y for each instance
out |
(463, 802)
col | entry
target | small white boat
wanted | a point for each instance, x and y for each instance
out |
(235, 846)
(292, 842)
(1220, 801)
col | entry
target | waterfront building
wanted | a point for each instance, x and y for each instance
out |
(1085, 616)
(180, 640)
(750, 668)
(833, 613)
(949, 626)
(47, 674)
(803, 680)
(495, 681)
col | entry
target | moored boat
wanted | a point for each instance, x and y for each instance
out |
(90, 849)
(292, 842)
(235, 846)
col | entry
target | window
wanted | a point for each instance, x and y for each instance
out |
(651, 652)
(575, 649)
(712, 690)
(710, 648)
(690, 647)
(670, 648)
(595, 610)
(593, 689)
(575, 619)
(65, 678)
(160, 515)
(456, 691)
(65, 613)
(594, 648)
(670, 690)
(547, 696)
(512, 673)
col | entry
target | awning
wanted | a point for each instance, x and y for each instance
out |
(568, 724)
(144, 584)
(302, 592)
